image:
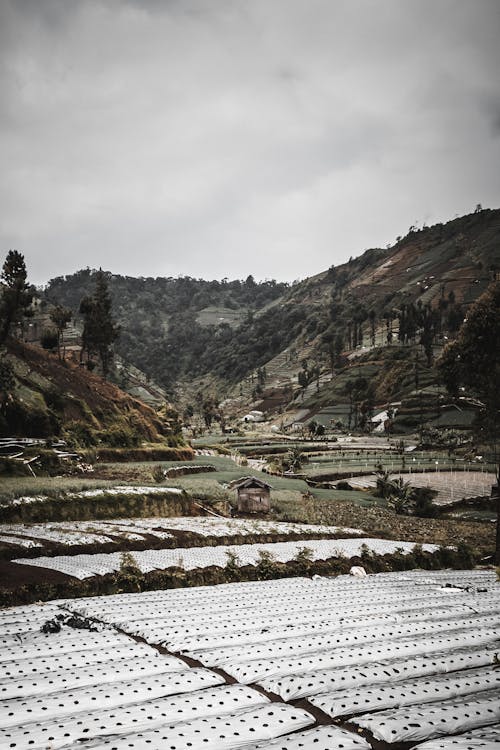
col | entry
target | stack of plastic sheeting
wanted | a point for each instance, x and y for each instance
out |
(486, 738)
(319, 738)
(406, 692)
(303, 685)
(433, 720)
(223, 732)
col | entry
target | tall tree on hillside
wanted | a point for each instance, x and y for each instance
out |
(473, 361)
(16, 294)
(60, 316)
(99, 328)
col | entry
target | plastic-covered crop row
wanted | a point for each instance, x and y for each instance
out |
(36, 645)
(105, 695)
(486, 738)
(305, 684)
(269, 630)
(224, 732)
(144, 716)
(74, 659)
(62, 533)
(126, 668)
(18, 621)
(255, 671)
(411, 724)
(407, 692)
(300, 645)
(319, 738)
(19, 541)
(101, 532)
(85, 566)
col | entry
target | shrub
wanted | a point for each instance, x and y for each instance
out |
(233, 566)
(49, 339)
(158, 473)
(130, 575)
(81, 435)
(266, 566)
(120, 437)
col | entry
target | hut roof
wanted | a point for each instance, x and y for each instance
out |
(237, 484)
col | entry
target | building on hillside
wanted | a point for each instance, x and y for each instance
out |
(254, 495)
(254, 416)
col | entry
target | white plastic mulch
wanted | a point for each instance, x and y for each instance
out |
(85, 566)
(407, 657)
(411, 724)
(485, 738)
(73, 533)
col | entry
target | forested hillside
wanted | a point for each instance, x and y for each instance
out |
(414, 292)
(170, 327)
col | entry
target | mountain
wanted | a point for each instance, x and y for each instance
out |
(378, 320)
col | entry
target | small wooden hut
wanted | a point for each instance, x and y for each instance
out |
(254, 495)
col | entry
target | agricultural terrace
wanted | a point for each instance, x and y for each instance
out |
(386, 661)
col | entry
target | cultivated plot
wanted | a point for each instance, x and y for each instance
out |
(394, 657)
(77, 533)
(191, 558)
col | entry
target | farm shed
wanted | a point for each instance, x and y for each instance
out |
(254, 495)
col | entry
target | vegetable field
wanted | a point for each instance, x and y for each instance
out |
(320, 663)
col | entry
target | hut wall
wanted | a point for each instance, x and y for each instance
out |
(254, 500)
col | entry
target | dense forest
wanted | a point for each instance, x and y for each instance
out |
(160, 332)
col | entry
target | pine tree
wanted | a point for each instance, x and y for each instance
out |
(99, 328)
(16, 295)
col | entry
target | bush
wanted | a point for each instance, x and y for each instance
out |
(158, 473)
(424, 507)
(81, 435)
(49, 339)
(233, 566)
(120, 437)
(266, 566)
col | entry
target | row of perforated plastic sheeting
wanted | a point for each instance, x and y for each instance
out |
(76, 698)
(34, 665)
(143, 716)
(306, 684)
(300, 645)
(319, 738)
(16, 622)
(107, 671)
(411, 724)
(255, 671)
(407, 692)
(96, 531)
(85, 566)
(224, 732)
(486, 738)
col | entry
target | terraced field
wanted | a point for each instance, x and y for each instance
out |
(320, 663)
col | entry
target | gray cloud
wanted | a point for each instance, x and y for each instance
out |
(225, 138)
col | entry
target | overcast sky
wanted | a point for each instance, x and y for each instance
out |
(221, 138)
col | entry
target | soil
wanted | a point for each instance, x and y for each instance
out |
(380, 522)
